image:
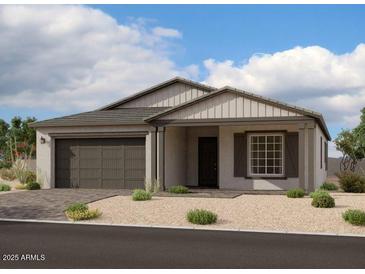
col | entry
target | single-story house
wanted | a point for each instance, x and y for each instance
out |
(183, 132)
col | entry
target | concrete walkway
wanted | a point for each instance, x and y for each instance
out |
(49, 204)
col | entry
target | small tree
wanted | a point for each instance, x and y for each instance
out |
(352, 145)
(17, 140)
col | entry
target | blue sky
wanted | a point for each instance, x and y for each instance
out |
(215, 44)
(238, 31)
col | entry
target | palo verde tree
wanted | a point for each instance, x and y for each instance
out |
(352, 145)
(17, 140)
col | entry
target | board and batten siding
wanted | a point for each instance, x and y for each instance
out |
(229, 105)
(169, 96)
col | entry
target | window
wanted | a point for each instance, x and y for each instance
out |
(266, 154)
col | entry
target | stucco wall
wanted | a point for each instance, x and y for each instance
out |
(320, 173)
(193, 134)
(175, 156)
(45, 152)
(226, 161)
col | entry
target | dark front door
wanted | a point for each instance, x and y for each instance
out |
(208, 161)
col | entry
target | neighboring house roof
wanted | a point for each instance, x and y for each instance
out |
(276, 103)
(122, 116)
(155, 88)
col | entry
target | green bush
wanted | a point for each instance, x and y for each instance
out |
(80, 211)
(328, 186)
(5, 187)
(179, 189)
(77, 207)
(29, 177)
(141, 195)
(351, 182)
(201, 217)
(33, 186)
(318, 192)
(5, 164)
(322, 199)
(295, 193)
(7, 174)
(354, 216)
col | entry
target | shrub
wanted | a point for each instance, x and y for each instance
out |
(141, 195)
(328, 186)
(351, 182)
(5, 187)
(201, 217)
(33, 186)
(354, 216)
(179, 189)
(322, 199)
(20, 186)
(7, 174)
(83, 215)
(318, 192)
(77, 207)
(295, 193)
(5, 164)
(80, 211)
(29, 177)
(20, 170)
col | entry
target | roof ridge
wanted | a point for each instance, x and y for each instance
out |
(156, 87)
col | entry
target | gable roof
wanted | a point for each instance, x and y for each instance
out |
(316, 115)
(157, 87)
(122, 116)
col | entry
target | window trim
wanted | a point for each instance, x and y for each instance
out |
(248, 158)
(321, 152)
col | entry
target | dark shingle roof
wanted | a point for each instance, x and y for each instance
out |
(122, 116)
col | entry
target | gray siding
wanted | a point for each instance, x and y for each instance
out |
(169, 96)
(229, 105)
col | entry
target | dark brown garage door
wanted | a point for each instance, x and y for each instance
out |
(100, 163)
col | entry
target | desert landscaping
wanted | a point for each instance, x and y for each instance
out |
(251, 212)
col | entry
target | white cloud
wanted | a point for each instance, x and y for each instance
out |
(312, 77)
(332, 151)
(166, 32)
(74, 58)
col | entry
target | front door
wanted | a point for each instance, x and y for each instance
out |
(208, 161)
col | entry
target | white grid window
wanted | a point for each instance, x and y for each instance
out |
(266, 152)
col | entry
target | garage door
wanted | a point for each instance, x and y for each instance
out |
(100, 163)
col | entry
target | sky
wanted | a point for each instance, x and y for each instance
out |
(58, 60)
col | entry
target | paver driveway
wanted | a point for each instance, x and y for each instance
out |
(49, 204)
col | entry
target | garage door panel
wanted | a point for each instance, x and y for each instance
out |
(90, 183)
(113, 152)
(100, 163)
(111, 183)
(90, 163)
(112, 173)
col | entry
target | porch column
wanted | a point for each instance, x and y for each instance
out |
(161, 156)
(312, 149)
(151, 155)
(303, 156)
(307, 156)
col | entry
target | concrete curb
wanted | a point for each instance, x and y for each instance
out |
(189, 228)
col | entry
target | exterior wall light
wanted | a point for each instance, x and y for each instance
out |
(43, 140)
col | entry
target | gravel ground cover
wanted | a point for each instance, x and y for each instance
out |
(259, 212)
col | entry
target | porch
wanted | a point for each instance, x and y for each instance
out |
(205, 156)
